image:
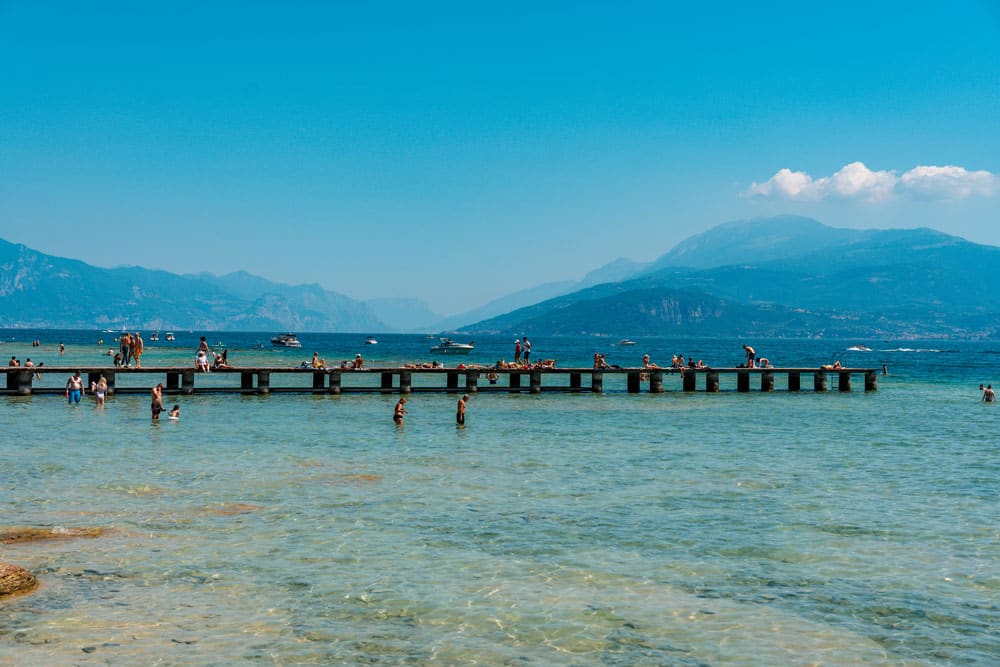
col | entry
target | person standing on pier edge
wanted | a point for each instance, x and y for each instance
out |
(136, 349)
(74, 388)
(751, 355)
(125, 347)
(517, 350)
(460, 416)
(399, 411)
(526, 346)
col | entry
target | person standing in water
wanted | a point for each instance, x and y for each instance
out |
(156, 401)
(74, 388)
(989, 396)
(460, 415)
(399, 411)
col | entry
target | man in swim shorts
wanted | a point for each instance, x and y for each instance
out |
(460, 415)
(74, 388)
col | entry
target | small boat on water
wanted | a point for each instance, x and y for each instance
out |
(169, 336)
(448, 346)
(286, 340)
(371, 341)
(626, 341)
(155, 336)
(859, 348)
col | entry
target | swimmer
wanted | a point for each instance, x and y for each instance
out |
(175, 412)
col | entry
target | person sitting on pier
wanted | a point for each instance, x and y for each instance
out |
(764, 362)
(201, 362)
(315, 360)
(646, 363)
(359, 363)
(219, 360)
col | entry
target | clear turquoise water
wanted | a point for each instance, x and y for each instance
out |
(674, 529)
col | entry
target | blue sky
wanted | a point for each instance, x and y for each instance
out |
(456, 152)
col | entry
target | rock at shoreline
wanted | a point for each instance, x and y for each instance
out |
(14, 580)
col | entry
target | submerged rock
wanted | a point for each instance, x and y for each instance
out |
(17, 535)
(15, 579)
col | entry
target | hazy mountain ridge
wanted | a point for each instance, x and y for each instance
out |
(38, 290)
(788, 276)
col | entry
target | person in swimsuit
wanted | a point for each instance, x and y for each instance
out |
(100, 389)
(751, 355)
(74, 388)
(136, 348)
(399, 411)
(156, 401)
(175, 412)
(460, 415)
(989, 396)
(526, 349)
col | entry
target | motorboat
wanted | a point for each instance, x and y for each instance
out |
(626, 341)
(169, 336)
(155, 336)
(448, 346)
(371, 341)
(859, 348)
(286, 340)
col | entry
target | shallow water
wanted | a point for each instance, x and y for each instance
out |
(674, 529)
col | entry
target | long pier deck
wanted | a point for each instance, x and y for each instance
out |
(263, 380)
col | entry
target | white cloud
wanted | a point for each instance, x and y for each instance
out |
(857, 181)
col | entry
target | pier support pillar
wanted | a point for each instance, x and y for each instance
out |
(871, 381)
(263, 382)
(634, 382)
(743, 381)
(405, 382)
(23, 380)
(656, 382)
(844, 382)
(453, 381)
(11, 380)
(597, 382)
(187, 382)
(574, 381)
(767, 380)
(173, 381)
(515, 382)
(819, 380)
(794, 381)
(471, 382)
(536, 382)
(246, 382)
(712, 382)
(319, 382)
(689, 380)
(335, 383)
(386, 386)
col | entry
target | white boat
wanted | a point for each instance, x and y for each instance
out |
(626, 341)
(370, 341)
(169, 336)
(155, 336)
(286, 340)
(448, 346)
(859, 348)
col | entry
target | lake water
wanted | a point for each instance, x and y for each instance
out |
(612, 529)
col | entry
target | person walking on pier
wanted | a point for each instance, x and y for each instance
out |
(136, 348)
(460, 415)
(399, 411)
(74, 388)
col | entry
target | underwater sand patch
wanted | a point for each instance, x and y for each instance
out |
(356, 478)
(15, 580)
(231, 509)
(20, 535)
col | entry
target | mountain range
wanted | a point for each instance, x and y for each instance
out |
(785, 276)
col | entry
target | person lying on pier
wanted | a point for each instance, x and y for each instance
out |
(832, 367)
(546, 363)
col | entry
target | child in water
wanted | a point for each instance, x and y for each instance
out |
(175, 412)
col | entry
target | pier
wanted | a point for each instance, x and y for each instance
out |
(403, 380)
